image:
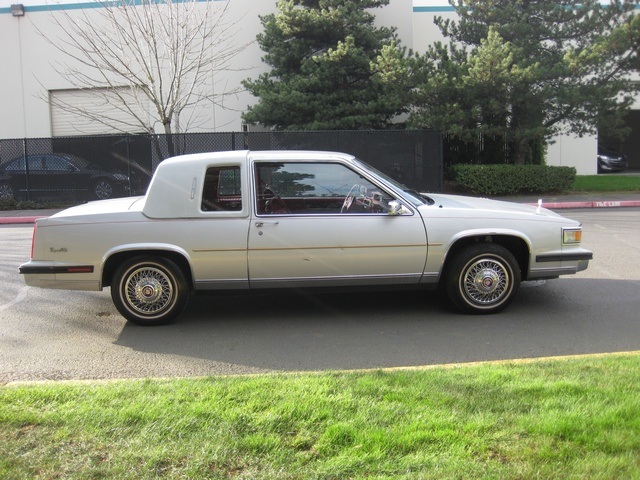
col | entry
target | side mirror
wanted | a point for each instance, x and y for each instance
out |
(396, 208)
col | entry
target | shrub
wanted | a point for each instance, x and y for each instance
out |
(8, 204)
(514, 179)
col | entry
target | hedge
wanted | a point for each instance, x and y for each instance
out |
(513, 179)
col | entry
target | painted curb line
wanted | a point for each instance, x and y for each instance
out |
(590, 204)
(18, 220)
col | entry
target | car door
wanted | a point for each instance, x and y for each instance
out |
(37, 175)
(63, 175)
(323, 223)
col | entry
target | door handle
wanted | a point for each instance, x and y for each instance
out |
(262, 224)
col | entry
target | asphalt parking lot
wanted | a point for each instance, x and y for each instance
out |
(53, 335)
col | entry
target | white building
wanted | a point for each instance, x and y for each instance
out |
(28, 75)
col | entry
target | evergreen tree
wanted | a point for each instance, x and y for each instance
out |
(321, 54)
(528, 70)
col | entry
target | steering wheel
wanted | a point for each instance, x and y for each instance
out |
(274, 203)
(348, 200)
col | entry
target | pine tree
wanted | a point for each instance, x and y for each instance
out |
(321, 78)
(529, 69)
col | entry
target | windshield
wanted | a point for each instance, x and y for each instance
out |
(415, 198)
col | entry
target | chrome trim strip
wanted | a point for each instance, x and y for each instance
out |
(396, 279)
(334, 247)
(222, 284)
(209, 250)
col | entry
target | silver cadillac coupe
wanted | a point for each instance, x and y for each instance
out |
(250, 220)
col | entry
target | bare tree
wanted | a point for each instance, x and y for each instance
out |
(155, 61)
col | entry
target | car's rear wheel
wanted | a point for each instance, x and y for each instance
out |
(103, 189)
(482, 278)
(149, 290)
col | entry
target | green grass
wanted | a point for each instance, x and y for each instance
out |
(607, 183)
(575, 418)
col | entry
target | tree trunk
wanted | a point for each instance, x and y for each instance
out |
(520, 150)
(171, 149)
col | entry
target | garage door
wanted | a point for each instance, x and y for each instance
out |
(96, 111)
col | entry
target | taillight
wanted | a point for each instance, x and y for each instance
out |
(33, 238)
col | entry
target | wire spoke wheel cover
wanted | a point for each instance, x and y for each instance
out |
(482, 278)
(486, 281)
(149, 291)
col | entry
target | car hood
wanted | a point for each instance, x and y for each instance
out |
(459, 202)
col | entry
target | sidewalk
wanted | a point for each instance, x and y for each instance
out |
(553, 202)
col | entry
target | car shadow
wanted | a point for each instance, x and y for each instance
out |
(294, 331)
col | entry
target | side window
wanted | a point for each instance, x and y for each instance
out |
(315, 188)
(58, 164)
(17, 165)
(35, 162)
(221, 191)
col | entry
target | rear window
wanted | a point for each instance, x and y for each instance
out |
(221, 190)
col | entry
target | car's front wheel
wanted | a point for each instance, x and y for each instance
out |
(482, 278)
(149, 290)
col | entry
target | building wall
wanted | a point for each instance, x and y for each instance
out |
(12, 118)
(571, 151)
(424, 12)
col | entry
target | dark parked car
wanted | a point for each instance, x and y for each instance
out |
(60, 174)
(610, 161)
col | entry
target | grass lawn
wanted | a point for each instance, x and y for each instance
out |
(570, 418)
(607, 183)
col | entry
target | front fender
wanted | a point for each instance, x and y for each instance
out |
(440, 252)
(480, 233)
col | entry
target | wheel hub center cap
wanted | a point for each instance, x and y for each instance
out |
(486, 280)
(148, 292)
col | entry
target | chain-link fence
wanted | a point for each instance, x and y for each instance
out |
(97, 167)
